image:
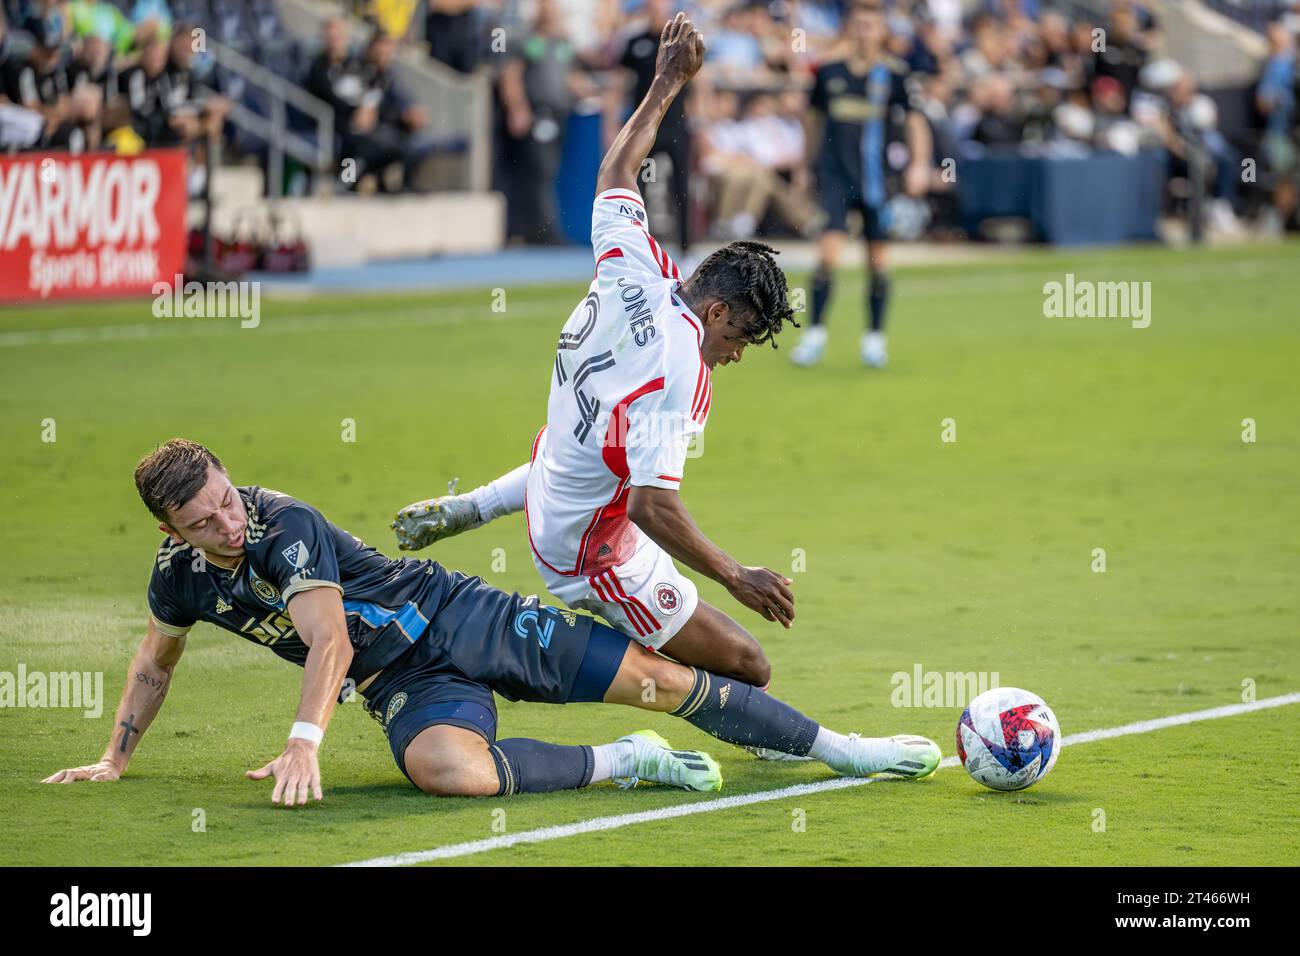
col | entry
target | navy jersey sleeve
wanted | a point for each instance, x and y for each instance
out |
(298, 552)
(167, 604)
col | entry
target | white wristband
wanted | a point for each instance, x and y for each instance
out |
(306, 731)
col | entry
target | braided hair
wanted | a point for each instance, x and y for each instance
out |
(745, 276)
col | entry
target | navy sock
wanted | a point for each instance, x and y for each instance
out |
(532, 766)
(878, 298)
(821, 293)
(740, 713)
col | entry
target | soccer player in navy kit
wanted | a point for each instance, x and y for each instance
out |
(426, 648)
(855, 101)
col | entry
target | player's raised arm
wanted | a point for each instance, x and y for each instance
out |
(681, 51)
(317, 615)
(147, 682)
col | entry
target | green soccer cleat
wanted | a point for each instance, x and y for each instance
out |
(657, 762)
(903, 755)
(420, 524)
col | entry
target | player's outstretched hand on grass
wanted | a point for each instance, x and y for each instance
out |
(95, 772)
(296, 772)
(765, 591)
(681, 50)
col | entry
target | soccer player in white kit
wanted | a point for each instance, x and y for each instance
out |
(631, 387)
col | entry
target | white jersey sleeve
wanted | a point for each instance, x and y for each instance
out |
(620, 239)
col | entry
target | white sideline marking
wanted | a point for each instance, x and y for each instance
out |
(597, 824)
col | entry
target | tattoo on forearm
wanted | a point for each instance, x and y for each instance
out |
(159, 684)
(131, 728)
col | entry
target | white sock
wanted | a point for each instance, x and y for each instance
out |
(612, 760)
(501, 496)
(830, 748)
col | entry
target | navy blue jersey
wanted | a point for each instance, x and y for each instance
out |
(290, 547)
(859, 109)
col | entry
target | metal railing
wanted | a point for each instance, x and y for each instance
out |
(280, 139)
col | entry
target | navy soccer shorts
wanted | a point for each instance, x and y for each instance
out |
(837, 196)
(480, 641)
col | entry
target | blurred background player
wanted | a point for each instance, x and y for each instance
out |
(854, 99)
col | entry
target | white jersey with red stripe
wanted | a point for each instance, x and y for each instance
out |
(629, 392)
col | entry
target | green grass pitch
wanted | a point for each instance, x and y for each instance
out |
(973, 555)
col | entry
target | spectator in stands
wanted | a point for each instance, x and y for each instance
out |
(193, 90)
(756, 163)
(94, 18)
(92, 84)
(143, 86)
(999, 124)
(92, 66)
(735, 50)
(151, 16)
(1199, 156)
(39, 83)
(1276, 100)
(934, 99)
(392, 16)
(169, 106)
(1122, 55)
(376, 123)
(387, 126)
(451, 27)
(930, 46)
(989, 51)
(1054, 34)
(334, 75)
(538, 87)
(1112, 127)
(1146, 27)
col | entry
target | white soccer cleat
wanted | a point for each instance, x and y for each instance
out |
(655, 761)
(873, 350)
(902, 755)
(811, 346)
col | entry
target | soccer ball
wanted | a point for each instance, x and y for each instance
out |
(1008, 738)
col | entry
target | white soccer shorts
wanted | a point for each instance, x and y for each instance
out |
(646, 597)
